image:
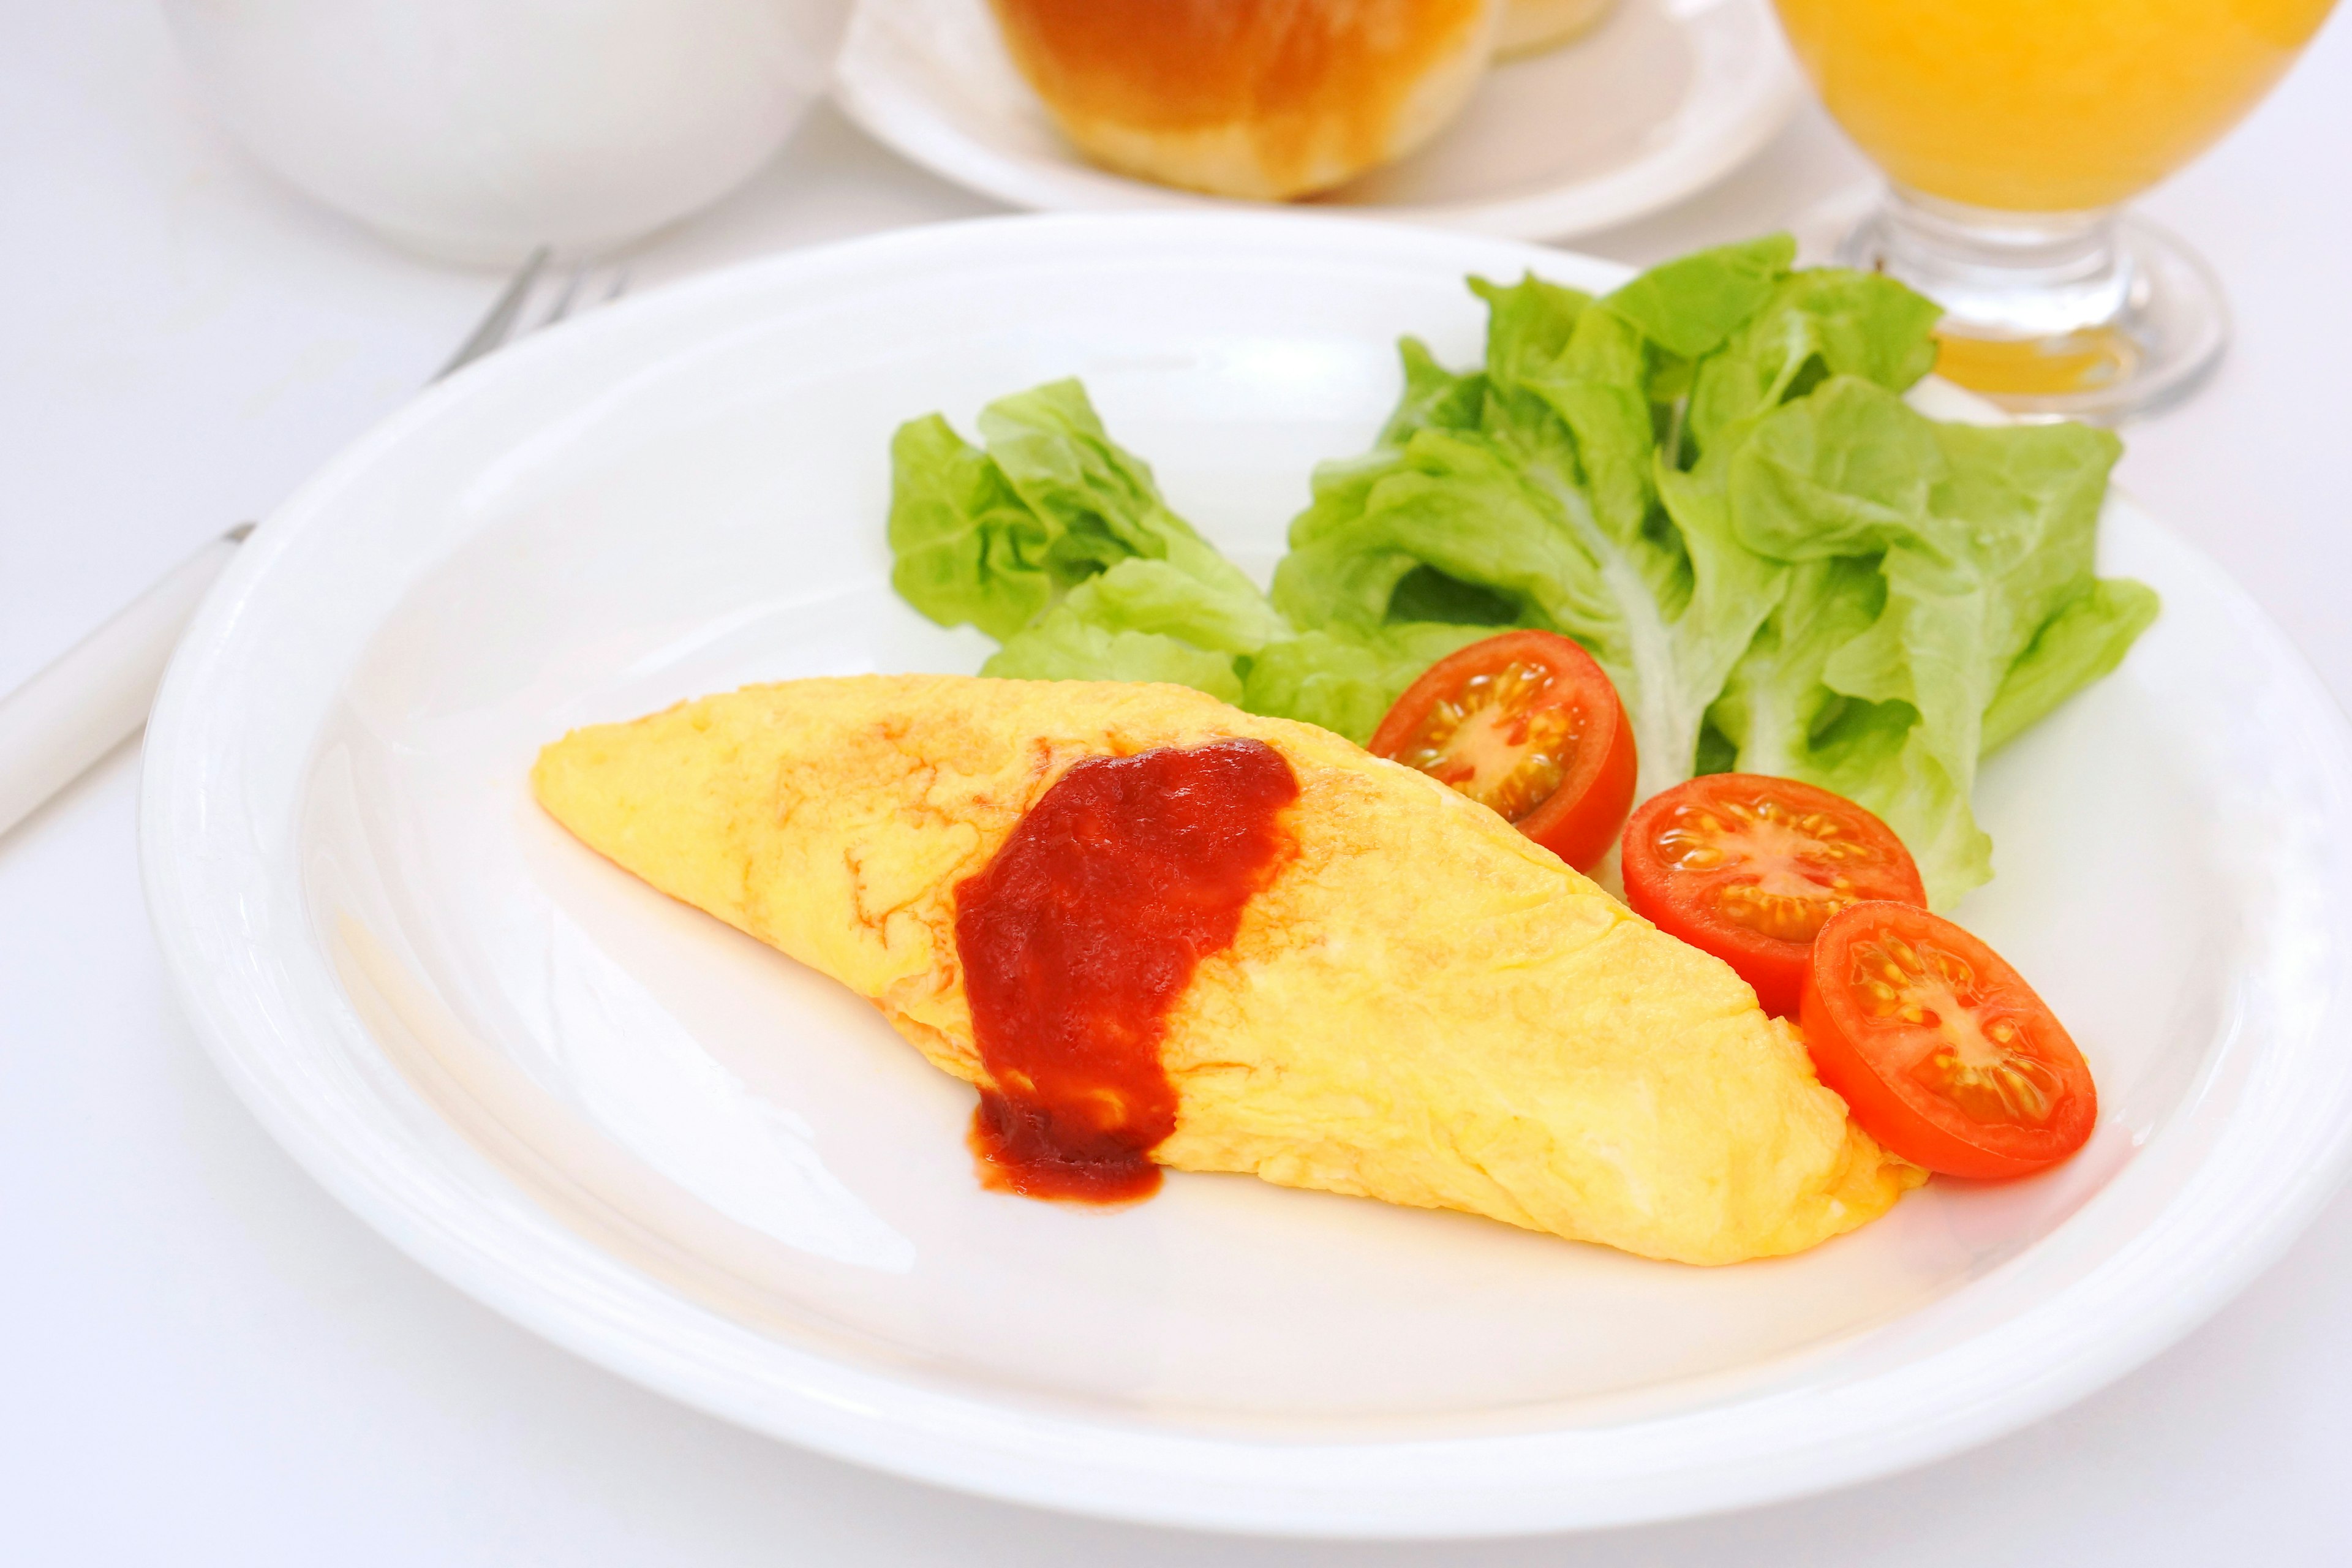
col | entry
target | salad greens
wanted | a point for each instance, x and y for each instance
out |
(1709, 479)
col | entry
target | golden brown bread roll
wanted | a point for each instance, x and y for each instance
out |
(1531, 27)
(1250, 97)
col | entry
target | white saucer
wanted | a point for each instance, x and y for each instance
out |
(688, 1159)
(1663, 99)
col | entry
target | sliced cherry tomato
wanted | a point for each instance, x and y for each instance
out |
(1749, 868)
(1525, 723)
(1941, 1050)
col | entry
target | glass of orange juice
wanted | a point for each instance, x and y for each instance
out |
(2011, 130)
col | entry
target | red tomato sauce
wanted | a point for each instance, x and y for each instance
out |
(1080, 936)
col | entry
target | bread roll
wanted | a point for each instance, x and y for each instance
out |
(1250, 97)
(1531, 27)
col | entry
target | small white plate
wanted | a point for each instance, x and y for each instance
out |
(1663, 99)
(688, 1159)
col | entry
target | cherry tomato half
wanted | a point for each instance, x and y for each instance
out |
(1749, 868)
(1941, 1050)
(1525, 723)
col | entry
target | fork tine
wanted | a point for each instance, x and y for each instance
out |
(494, 326)
(563, 306)
(618, 287)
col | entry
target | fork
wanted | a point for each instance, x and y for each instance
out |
(96, 694)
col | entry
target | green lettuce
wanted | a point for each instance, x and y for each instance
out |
(1939, 557)
(1056, 542)
(1347, 679)
(1709, 479)
(1549, 482)
(2081, 642)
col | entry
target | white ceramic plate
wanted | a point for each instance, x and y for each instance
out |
(1663, 99)
(679, 1153)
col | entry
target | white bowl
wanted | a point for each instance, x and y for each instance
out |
(477, 129)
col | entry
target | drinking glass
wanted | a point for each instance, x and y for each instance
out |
(2011, 130)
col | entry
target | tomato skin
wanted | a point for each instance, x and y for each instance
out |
(1580, 828)
(1580, 819)
(1679, 901)
(1857, 1058)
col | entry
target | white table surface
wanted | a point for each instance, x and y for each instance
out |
(205, 1360)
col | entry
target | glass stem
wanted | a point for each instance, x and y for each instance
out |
(2000, 275)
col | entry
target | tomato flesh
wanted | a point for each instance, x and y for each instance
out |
(1750, 867)
(1941, 1050)
(1527, 724)
(1495, 741)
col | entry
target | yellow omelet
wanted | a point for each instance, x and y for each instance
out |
(1421, 1005)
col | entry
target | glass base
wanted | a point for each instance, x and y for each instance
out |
(2095, 316)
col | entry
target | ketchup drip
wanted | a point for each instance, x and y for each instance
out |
(1080, 935)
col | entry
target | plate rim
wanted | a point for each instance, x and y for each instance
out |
(939, 1447)
(896, 114)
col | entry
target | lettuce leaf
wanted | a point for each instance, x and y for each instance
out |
(1818, 323)
(1708, 478)
(1347, 680)
(1687, 307)
(1540, 482)
(1056, 542)
(2081, 642)
(1935, 560)
(1098, 503)
(1070, 647)
(965, 546)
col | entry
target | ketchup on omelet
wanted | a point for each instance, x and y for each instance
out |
(1079, 936)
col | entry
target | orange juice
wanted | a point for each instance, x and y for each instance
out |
(2042, 105)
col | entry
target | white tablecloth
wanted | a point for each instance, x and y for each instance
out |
(205, 1360)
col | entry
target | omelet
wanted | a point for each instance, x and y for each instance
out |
(1415, 1002)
